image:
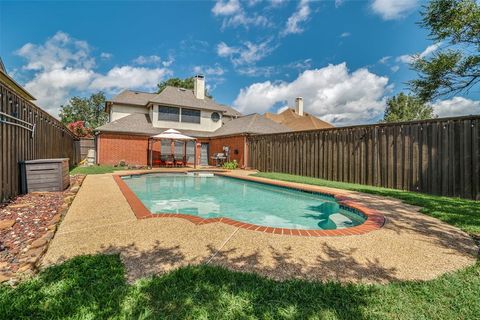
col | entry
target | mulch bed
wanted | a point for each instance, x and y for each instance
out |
(35, 216)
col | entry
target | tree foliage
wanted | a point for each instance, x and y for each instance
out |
(79, 129)
(406, 108)
(456, 67)
(187, 83)
(88, 110)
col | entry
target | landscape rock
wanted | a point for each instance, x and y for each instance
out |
(25, 268)
(4, 277)
(38, 243)
(37, 252)
(6, 224)
(27, 223)
(55, 219)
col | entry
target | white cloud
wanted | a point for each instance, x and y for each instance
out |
(63, 66)
(224, 50)
(457, 106)
(226, 8)
(395, 68)
(393, 9)
(106, 55)
(56, 53)
(338, 3)
(52, 87)
(297, 18)
(234, 15)
(209, 70)
(242, 19)
(248, 53)
(153, 59)
(254, 71)
(128, 77)
(277, 3)
(409, 58)
(345, 34)
(384, 60)
(332, 93)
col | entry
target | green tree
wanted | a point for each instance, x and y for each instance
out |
(406, 108)
(89, 110)
(187, 83)
(455, 68)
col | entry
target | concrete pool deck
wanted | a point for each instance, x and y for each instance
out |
(410, 245)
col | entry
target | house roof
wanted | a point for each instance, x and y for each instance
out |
(253, 123)
(133, 97)
(296, 122)
(171, 96)
(186, 98)
(139, 123)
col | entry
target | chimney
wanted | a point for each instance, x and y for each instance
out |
(199, 87)
(299, 106)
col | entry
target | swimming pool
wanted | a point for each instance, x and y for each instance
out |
(211, 196)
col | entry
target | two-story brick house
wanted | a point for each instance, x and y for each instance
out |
(135, 116)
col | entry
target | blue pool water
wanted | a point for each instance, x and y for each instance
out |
(251, 202)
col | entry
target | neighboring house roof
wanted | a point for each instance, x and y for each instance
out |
(253, 123)
(12, 84)
(296, 122)
(186, 98)
(139, 123)
(2, 66)
(170, 96)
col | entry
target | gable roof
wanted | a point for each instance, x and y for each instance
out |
(138, 98)
(296, 122)
(186, 98)
(170, 96)
(253, 123)
(141, 124)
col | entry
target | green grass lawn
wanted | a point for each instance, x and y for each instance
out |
(95, 169)
(464, 214)
(94, 287)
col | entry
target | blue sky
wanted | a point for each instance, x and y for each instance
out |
(344, 57)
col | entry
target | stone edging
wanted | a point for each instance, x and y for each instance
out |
(375, 220)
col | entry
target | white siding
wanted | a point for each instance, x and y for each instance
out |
(206, 122)
(118, 111)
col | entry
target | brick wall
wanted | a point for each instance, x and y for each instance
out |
(236, 144)
(113, 148)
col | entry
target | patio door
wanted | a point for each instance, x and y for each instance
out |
(204, 154)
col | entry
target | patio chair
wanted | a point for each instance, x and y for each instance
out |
(169, 161)
(180, 163)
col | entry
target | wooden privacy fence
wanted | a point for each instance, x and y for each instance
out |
(26, 133)
(85, 145)
(439, 156)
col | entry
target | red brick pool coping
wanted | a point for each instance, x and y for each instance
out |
(374, 220)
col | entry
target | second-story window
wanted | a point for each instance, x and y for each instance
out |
(168, 113)
(190, 115)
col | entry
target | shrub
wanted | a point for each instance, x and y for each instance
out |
(231, 165)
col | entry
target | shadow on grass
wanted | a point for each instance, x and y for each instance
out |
(85, 287)
(94, 287)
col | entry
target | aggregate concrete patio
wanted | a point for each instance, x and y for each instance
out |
(410, 246)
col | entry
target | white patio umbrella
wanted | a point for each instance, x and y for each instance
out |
(174, 135)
